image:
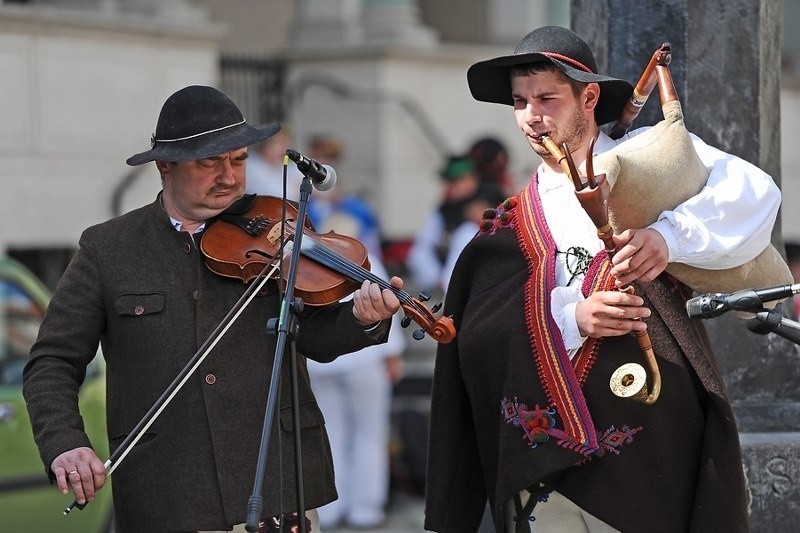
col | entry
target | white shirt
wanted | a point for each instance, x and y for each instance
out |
(728, 223)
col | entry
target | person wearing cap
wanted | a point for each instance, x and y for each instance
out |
(522, 414)
(464, 196)
(139, 287)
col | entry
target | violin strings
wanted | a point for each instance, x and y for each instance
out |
(350, 268)
(345, 266)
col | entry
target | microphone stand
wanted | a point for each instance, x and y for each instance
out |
(287, 323)
(772, 321)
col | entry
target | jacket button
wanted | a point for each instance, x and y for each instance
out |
(196, 295)
(187, 248)
(138, 310)
(211, 379)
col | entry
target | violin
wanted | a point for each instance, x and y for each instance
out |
(249, 235)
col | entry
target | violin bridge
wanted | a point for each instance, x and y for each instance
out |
(274, 234)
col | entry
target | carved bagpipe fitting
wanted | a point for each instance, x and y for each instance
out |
(592, 191)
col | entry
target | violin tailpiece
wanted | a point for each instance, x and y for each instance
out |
(252, 226)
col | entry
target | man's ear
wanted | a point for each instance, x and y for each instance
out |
(162, 166)
(591, 94)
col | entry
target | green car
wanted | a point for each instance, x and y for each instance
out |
(28, 502)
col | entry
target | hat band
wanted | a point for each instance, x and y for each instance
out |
(153, 139)
(569, 60)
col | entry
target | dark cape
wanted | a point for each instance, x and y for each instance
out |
(504, 417)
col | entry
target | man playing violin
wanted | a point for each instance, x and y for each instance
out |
(522, 413)
(139, 287)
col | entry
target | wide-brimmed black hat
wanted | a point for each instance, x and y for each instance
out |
(198, 122)
(490, 81)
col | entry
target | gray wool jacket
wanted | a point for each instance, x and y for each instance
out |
(143, 292)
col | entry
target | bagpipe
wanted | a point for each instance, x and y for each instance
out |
(630, 186)
(658, 170)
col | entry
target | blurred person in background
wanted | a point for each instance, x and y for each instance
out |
(491, 164)
(340, 208)
(464, 197)
(354, 394)
(486, 198)
(265, 168)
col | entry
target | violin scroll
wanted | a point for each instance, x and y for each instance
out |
(441, 329)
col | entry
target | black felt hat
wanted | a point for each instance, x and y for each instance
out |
(490, 81)
(198, 122)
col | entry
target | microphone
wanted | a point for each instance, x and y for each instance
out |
(323, 177)
(714, 304)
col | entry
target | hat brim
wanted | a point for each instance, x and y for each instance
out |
(207, 145)
(490, 81)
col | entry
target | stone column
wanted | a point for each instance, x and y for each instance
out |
(325, 23)
(396, 22)
(726, 66)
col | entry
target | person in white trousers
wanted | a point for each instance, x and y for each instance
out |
(354, 394)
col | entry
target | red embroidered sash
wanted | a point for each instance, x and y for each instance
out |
(560, 377)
